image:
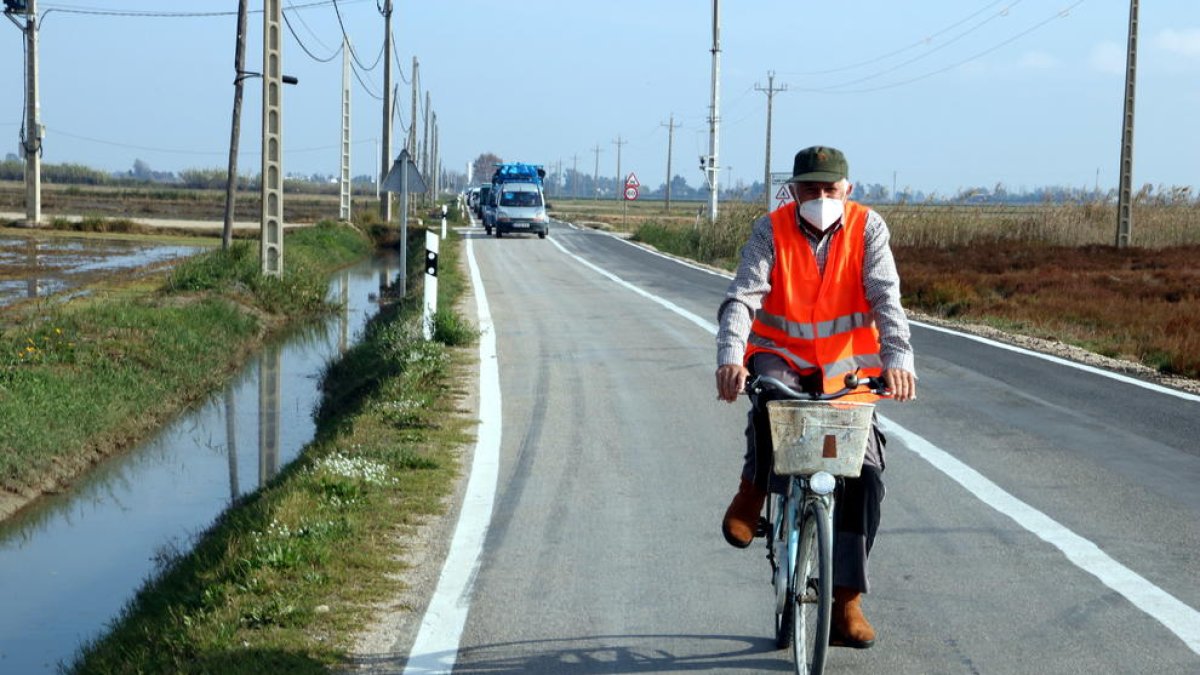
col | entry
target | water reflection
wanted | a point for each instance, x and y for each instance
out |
(71, 561)
(33, 267)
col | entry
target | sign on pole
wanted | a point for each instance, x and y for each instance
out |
(631, 193)
(779, 183)
(631, 180)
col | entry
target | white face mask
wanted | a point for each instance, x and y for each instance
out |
(822, 213)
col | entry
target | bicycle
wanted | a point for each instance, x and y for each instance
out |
(817, 441)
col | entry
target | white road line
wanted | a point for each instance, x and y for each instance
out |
(1143, 594)
(436, 647)
(1169, 611)
(706, 325)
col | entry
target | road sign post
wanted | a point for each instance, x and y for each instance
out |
(631, 193)
(779, 189)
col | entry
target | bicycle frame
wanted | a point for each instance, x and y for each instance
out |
(799, 536)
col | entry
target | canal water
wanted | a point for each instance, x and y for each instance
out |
(70, 562)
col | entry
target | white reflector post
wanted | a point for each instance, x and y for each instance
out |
(431, 289)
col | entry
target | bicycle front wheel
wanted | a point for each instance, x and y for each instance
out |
(813, 599)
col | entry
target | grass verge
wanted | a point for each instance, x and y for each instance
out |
(285, 578)
(121, 360)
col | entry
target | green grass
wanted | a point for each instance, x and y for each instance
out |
(119, 362)
(285, 578)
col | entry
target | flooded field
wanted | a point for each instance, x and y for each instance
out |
(36, 267)
(70, 562)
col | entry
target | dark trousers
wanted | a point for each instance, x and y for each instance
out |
(857, 503)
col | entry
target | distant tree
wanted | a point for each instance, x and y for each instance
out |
(141, 170)
(483, 167)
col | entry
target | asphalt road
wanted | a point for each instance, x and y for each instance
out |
(1039, 518)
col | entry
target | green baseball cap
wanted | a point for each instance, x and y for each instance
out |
(820, 164)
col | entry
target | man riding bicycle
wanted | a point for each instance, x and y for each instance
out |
(816, 296)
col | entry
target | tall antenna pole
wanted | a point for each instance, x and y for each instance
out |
(385, 202)
(1125, 189)
(714, 120)
(770, 91)
(670, 142)
(344, 210)
(271, 247)
(235, 132)
(619, 190)
(31, 138)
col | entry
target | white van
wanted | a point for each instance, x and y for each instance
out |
(520, 207)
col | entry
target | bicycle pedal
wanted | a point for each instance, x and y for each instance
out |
(762, 528)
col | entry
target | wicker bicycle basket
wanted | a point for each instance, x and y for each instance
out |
(812, 436)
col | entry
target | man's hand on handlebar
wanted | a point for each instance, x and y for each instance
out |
(901, 383)
(731, 379)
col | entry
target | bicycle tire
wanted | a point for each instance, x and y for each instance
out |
(813, 598)
(781, 580)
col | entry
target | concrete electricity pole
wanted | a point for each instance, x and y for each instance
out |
(596, 175)
(235, 132)
(574, 176)
(412, 118)
(714, 121)
(620, 187)
(1125, 189)
(31, 134)
(670, 143)
(344, 209)
(770, 91)
(271, 251)
(385, 202)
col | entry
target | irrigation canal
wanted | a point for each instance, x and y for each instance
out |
(70, 562)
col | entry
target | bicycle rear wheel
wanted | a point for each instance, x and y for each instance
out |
(813, 598)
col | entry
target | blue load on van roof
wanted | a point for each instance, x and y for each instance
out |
(511, 171)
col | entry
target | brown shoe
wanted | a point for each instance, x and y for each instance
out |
(741, 518)
(849, 627)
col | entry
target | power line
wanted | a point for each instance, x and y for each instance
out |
(1063, 13)
(353, 52)
(287, 22)
(923, 41)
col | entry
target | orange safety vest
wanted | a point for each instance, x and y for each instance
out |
(819, 321)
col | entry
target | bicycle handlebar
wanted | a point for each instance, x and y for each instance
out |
(758, 384)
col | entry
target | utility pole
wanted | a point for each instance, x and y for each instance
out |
(433, 159)
(344, 210)
(235, 132)
(619, 186)
(412, 118)
(714, 120)
(425, 136)
(596, 175)
(385, 203)
(770, 91)
(670, 143)
(574, 176)
(1125, 189)
(271, 248)
(31, 133)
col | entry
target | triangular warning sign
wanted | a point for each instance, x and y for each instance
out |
(632, 181)
(783, 193)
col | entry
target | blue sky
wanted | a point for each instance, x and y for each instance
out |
(933, 95)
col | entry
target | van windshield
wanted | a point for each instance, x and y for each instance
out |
(520, 199)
